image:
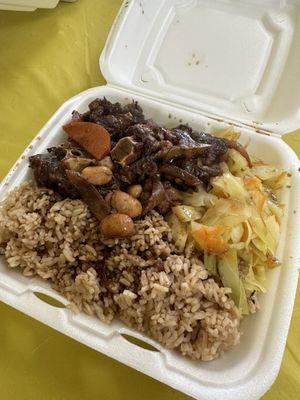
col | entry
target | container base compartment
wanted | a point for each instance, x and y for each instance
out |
(244, 372)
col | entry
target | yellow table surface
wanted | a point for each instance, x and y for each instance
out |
(45, 58)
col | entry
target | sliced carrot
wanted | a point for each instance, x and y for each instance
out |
(209, 238)
(252, 182)
(254, 186)
(91, 137)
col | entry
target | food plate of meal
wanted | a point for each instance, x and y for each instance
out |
(147, 218)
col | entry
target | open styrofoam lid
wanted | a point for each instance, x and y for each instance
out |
(236, 60)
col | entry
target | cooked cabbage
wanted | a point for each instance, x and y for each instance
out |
(230, 277)
(189, 245)
(226, 212)
(272, 208)
(255, 189)
(187, 213)
(247, 234)
(273, 178)
(260, 273)
(273, 231)
(251, 282)
(237, 232)
(260, 245)
(229, 186)
(234, 225)
(266, 229)
(199, 198)
(210, 263)
(179, 231)
(237, 164)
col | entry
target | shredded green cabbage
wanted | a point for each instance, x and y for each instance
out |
(237, 232)
(187, 213)
(229, 186)
(234, 225)
(199, 198)
(179, 231)
(229, 273)
(226, 212)
(210, 263)
(237, 164)
(273, 178)
(251, 282)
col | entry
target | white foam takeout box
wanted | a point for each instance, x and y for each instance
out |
(28, 5)
(209, 63)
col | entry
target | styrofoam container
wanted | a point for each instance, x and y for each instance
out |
(28, 5)
(208, 63)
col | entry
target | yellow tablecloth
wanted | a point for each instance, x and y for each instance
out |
(45, 58)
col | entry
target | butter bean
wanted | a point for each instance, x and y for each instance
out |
(125, 204)
(117, 225)
(135, 191)
(97, 175)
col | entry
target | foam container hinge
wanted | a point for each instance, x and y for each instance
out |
(247, 370)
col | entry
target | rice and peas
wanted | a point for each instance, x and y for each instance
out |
(186, 282)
